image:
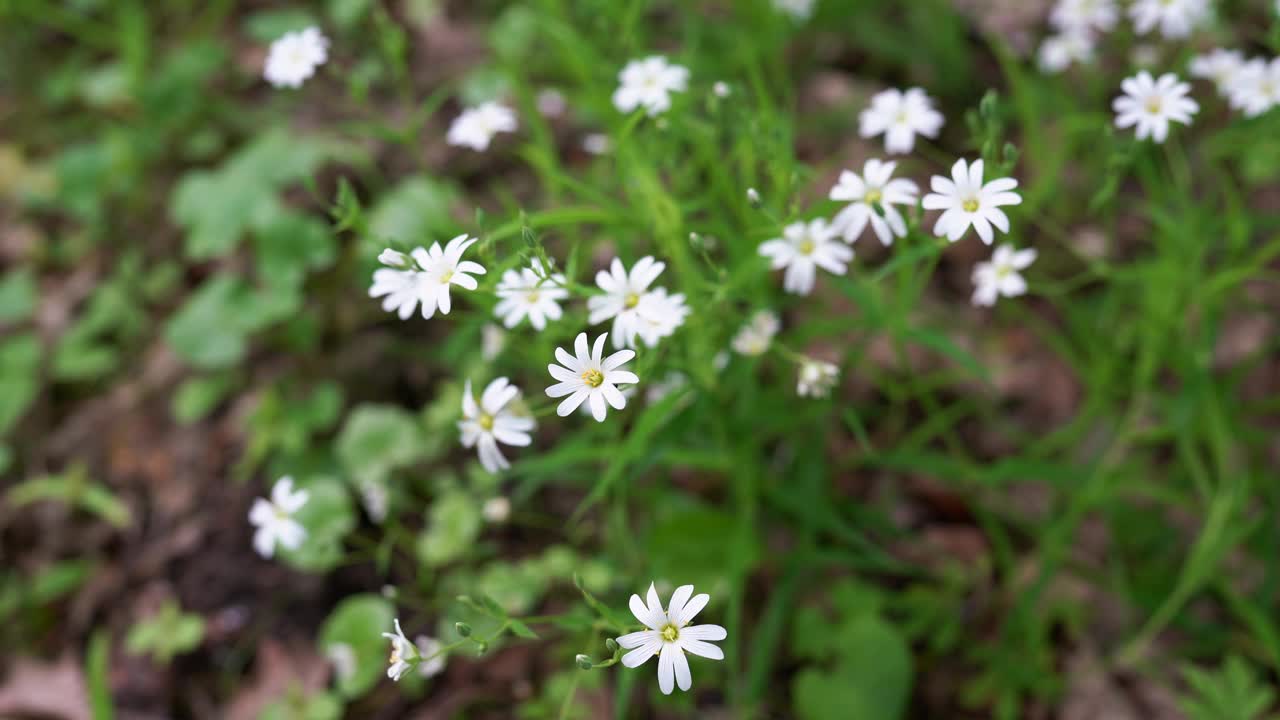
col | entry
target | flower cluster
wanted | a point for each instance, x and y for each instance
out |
(1078, 24)
(294, 57)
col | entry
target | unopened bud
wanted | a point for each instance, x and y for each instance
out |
(394, 258)
(482, 648)
(584, 662)
(753, 197)
(611, 645)
(987, 107)
(463, 629)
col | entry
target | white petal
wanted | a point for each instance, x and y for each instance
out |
(703, 632)
(666, 668)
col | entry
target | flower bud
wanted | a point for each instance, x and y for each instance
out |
(463, 629)
(584, 662)
(611, 645)
(482, 648)
(753, 197)
(394, 258)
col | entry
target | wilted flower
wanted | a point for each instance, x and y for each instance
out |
(295, 56)
(490, 422)
(274, 518)
(966, 201)
(590, 377)
(900, 116)
(1152, 104)
(804, 247)
(869, 195)
(1001, 276)
(476, 126)
(648, 84)
(669, 636)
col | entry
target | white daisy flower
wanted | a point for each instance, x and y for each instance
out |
(294, 57)
(437, 269)
(1221, 67)
(274, 519)
(621, 301)
(900, 116)
(404, 654)
(1175, 18)
(648, 84)
(755, 337)
(1059, 52)
(432, 659)
(590, 377)
(874, 187)
(1001, 276)
(659, 315)
(966, 201)
(492, 421)
(1151, 104)
(816, 378)
(476, 126)
(797, 9)
(527, 294)
(496, 509)
(669, 636)
(1257, 88)
(802, 248)
(492, 340)
(1098, 15)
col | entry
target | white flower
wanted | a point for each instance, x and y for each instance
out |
(753, 197)
(1000, 276)
(1151, 104)
(1257, 88)
(496, 510)
(492, 339)
(658, 315)
(526, 294)
(671, 382)
(274, 519)
(899, 116)
(589, 377)
(476, 126)
(491, 422)
(1221, 67)
(623, 293)
(802, 248)
(375, 498)
(394, 258)
(816, 378)
(596, 143)
(721, 89)
(429, 649)
(429, 285)
(754, 337)
(551, 102)
(875, 186)
(404, 654)
(670, 636)
(343, 658)
(1058, 52)
(1176, 18)
(966, 201)
(648, 84)
(294, 57)
(797, 9)
(1085, 14)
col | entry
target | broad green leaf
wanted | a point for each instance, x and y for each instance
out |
(17, 295)
(453, 523)
(358, 623)
(327, 517)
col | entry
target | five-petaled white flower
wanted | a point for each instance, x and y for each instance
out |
(816, 378)
(1175, 18)
(429, 283)
(590, 377)
(623, 293)
(899, 116)
(659, 315)
(1085, 15)
(530, 292)
(476, 126)
(870, 194)
(1257, 87)
(1001, 276)
(432, 658)
(404, 654)
(1058, 52)
(274, 518)
(669, 636)
(295, 56)
(492, 421)
(802, 248)
(754, 337)
(1221, 67)
(966, 201)
(648, 84)
(1152, 104)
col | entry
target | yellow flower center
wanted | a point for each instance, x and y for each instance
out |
(531, 296)
(873, 196)
(1003, 271)
(446, 277)
(1153, 105)
(395, 653)
(970, 205)
(486, 421)
(593, 378)
(806, 247)
(670, 633)
(632, 300)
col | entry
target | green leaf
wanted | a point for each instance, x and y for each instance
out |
(268, 25)
(19, 368)
(289, 245)
(211, 329)
(358, 623)
(453, 524)
(198, 396)
(412, 213)
(96, 663)
(168, 633)
(871, 680)
(693, 543)
(72, 488)
(17, 295)
(521, 630)
(377, 439)
(1234, 691)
